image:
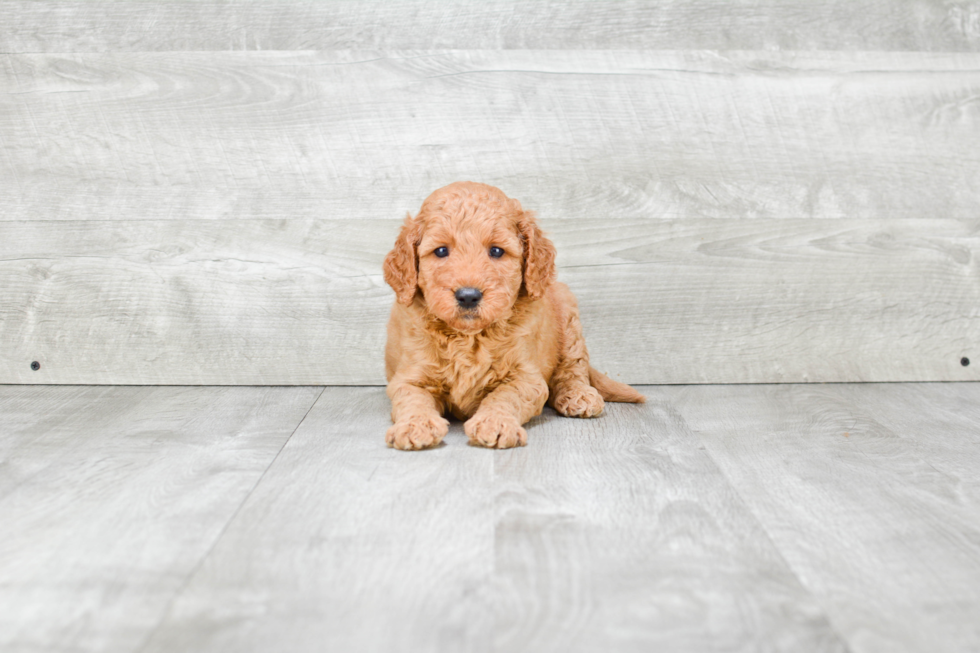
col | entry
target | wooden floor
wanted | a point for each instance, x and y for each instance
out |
(714, 518)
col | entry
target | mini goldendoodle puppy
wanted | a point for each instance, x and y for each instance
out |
(480, 328)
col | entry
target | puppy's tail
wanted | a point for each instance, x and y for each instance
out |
(614, 390)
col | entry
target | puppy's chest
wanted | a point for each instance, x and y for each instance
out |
(471, 368)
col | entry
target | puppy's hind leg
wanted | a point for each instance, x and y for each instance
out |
(571, 393)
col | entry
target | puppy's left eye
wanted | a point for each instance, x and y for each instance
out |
(496, 252)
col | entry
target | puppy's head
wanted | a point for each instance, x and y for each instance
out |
(471, 251)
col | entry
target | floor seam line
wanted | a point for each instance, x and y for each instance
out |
(762, 527)
(207, 554)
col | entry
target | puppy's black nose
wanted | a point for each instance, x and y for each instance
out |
(468, 297)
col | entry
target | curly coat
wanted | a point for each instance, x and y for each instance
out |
(497, 364)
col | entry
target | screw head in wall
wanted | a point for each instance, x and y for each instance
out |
(35, 366)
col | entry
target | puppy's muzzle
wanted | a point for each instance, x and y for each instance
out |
(468, 298)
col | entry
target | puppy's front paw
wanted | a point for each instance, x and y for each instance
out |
(581, 401)
(496, 431)
(417, 433)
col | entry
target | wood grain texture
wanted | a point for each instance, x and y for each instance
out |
(110, 497)
(712, 518)
(599, 536)
(621, 534)
(347, 545)
(124, 25)
(303, 302)
(879, 519)
(572, 134)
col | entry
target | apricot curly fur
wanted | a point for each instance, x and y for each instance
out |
(496, 365)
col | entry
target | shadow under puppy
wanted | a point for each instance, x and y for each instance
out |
(480, 327)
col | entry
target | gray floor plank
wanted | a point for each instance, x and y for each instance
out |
(81, 26)
(574, 134)
(109, 498)
(614, 534)
(348, 545)
(870, 493)
(621, 534)
(756, 518)
(304, 301)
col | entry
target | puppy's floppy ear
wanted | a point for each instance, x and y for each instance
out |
(401, 265)
(539, 257)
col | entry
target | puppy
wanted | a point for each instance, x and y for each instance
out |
(480, 327)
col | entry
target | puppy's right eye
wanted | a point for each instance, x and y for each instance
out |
(441, 252)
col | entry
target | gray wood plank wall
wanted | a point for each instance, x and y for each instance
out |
(743, 192)
(154, 25)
